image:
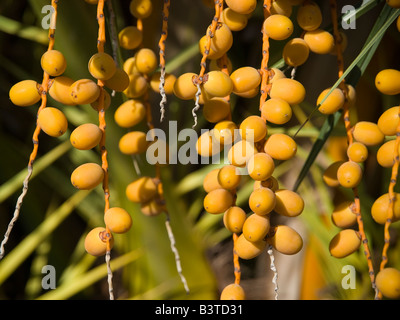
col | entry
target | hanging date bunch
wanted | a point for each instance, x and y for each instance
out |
(52, 121)
(252, 151)
(361, 137)
(69, 92)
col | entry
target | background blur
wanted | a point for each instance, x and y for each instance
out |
(55, 217)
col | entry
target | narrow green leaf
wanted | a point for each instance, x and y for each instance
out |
(326, 130)
(12, 185)
(25, 248)
(70, 288)
(40, 258)
(181, 58)
(16, 28)
(359, 64)
(360, 10)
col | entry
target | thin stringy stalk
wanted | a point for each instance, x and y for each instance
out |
(196, 104)
(104, 162)
(35, 138)
(274, 270)
(109, 272)
(161, 45)
(346, 118)
(136, 165)
(162, 201)
(293, 73)
(392, 199)
(176, 253)
(200, 79)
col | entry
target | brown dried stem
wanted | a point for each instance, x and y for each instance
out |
(350, 139)
(209, 36)
(161, 45)
(392, 199)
